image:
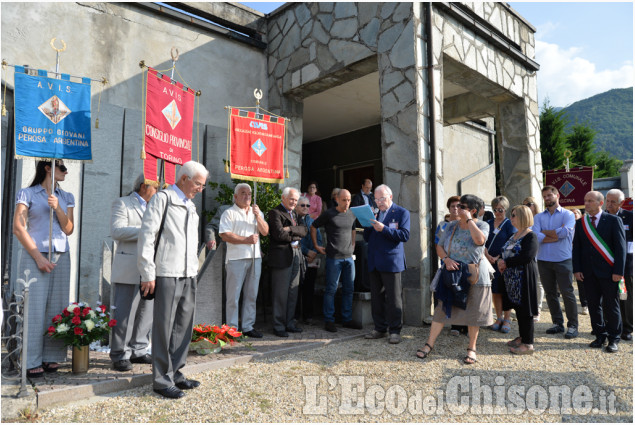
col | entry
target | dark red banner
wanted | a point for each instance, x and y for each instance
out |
(257, 147)
(168, 125)
(572, 185)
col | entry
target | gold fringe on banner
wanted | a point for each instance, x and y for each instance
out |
(38, 158)
(229, 115)
(103, 82)
(144, 74)
(4, 97)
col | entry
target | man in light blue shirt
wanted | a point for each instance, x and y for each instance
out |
(554, 229)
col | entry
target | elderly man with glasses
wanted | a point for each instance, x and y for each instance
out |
(386, 261)
(169, 267)
(239, 227)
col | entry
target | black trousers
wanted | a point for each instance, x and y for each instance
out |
(626, 306)
(525, 323)
(306, 295)
(604, 306)
(385, 301)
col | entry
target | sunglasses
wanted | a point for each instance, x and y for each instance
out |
(499, 210)
(529, 204)
(305, 205)
(62, 168)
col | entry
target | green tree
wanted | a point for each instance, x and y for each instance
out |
(553, 140)
(606, 165)
(581, 141)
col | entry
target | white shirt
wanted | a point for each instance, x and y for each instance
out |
(240, 223)
(180, 194)
(142, 201)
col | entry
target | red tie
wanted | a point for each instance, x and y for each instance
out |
(593, 221)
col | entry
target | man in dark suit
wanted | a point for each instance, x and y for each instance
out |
(599, 253)
(386, 261)
(365, 196)
(284, 258)
(614, 202)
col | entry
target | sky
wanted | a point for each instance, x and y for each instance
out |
(583, 48)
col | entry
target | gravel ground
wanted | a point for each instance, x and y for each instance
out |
(372, 381)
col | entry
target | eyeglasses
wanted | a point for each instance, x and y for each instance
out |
(499, 210)
(305, 205)
(382, 199)
(463, 207)
(529, 204)
(62, 167)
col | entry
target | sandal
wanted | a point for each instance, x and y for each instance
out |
(455, 332)
(497, 325)
(50, 367)
(515, 342)
(507, 326)
(468, 359)
(424, 353)
(36, 372)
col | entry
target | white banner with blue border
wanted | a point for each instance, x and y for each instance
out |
(52, 117)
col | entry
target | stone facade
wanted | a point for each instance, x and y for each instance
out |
(481, 69)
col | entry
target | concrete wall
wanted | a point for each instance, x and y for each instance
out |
(108, 40)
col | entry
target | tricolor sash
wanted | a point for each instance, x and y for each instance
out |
(596, 240)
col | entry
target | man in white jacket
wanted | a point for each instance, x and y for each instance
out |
(131, 335)
(170, 270)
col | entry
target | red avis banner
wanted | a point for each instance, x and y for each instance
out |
(572, 185)
(257, 147)
(169, 117)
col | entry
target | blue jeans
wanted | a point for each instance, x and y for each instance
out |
(335, 268)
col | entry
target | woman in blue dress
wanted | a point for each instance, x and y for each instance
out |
(49, 295)
(500, 230)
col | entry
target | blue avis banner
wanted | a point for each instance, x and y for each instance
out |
(52, 117)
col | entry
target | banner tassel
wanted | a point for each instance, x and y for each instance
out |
(226, 168)
(287, 174)
(4, 97)
(143, 153)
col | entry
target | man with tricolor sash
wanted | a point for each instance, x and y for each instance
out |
(599, 254)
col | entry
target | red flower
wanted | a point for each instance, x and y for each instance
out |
(79, 331)
(233, 332)
(66, 313)
(103, 308)
(112, 323)
(85, 311)
(76, 320)
(76, 311)
(51, 330)
(57, 318)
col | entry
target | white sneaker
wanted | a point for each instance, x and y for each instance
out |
(585, 311)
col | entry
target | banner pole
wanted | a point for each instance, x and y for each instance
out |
(258, 96)
(58, 76)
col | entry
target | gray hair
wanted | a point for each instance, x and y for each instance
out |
(239, 185)
(192, 169)
(301, 198)
(138, 182)
(384, 188)
(619, 193)
(287, 191)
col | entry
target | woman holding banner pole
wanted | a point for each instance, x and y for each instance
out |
(49, 295)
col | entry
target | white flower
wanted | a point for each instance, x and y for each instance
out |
(71, 307)
(92, 314)
(102, 314)
(62, 327)
(89, 325)
(81, 304)
(98, 324)
(113, 307)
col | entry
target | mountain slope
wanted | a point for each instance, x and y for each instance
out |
(611, 115)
